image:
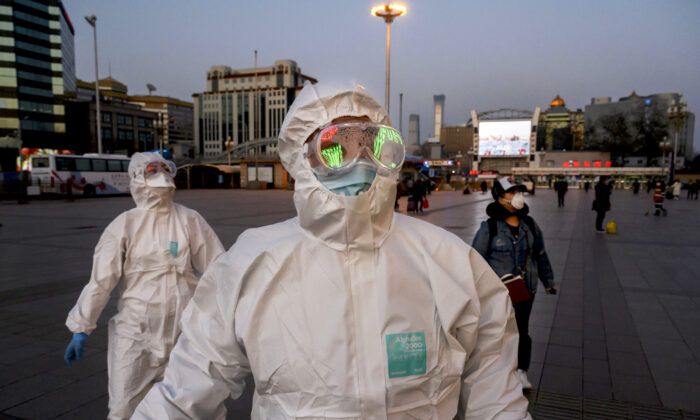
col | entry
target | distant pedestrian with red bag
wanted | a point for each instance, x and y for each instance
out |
(513, 245)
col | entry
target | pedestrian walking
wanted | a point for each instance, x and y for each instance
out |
(484, 187)
(513, 245)
(696, 188)
(586, 186)
(676, 189)
(659, 200)
(155, 253)
(561, 187)
(334, 313)
(418, 194)
(635, 186)
(601, 204)
(650, 185)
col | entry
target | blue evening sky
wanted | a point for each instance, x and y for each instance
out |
(482, 54)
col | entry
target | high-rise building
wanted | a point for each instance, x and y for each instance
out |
(413, 130)
(439, 116)
(37, 65)
(226, 109)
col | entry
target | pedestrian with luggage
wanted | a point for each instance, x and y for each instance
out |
(659, 200)
(601, 204)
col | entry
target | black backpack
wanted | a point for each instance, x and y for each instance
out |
(493, 230)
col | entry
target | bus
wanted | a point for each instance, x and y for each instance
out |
(90, 174)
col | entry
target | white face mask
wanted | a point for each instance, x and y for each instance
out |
(160, 180)
(359, 179)
(518, 201)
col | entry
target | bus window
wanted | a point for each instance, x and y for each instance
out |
(40, 162)
(114, 166)
(125, 166)
(65, 164)
(82, 164)
(99, 165)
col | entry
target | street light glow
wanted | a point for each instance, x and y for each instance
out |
(389, 11)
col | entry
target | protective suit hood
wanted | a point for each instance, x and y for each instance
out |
(145, 196)
(361, 221)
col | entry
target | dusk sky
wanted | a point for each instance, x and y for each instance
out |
(481, 54)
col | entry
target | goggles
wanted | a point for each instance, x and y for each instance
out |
(154, 168)
(339, 146)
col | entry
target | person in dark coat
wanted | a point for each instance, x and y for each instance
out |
(418, 193)
(601, 204)
(484, 187)
(635, 186)
(561, 187)
(586, 186)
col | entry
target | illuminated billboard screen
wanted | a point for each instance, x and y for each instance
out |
(504, 138)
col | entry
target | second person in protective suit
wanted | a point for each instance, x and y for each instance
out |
(154, 253)
(349, 310)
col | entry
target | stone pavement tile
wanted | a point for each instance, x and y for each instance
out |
(95, 409)
(675, 369)
(539, 350)
(538, 333)
(566, 337)
(600, 390)
(595, 349)
(694, 344)
(593, 332)
(563, 380)
(595, 370)
(628, 364)
(62, 400)
(571, 311)
(667, 348)
(635, 389)
(12, 355)
(618, 322)
(593, 316)
(568, 322)
(656, 328)
(27, 389)
(82, 369)
(681, 395)
(534, 374)
(624, 342)
(564, 356)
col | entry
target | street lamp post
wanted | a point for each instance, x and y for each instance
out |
(229, 147)
(255, 118)
(388, 12)
(92, 20)
(675, 114)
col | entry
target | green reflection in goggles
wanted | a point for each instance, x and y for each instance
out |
(384, 135)
(333, 155)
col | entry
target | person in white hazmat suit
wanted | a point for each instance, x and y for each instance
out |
(154, 253)
(349, 310)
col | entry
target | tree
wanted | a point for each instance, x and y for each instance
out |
(616, 137)
(650, 127)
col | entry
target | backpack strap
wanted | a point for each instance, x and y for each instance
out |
(493, 230)
(530, 222)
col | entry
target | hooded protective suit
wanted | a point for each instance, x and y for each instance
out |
(347, 311)
(154, 253)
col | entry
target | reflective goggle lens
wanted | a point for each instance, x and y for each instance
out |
(156, 167)
(340, 144)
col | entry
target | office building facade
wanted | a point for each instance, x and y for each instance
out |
(635, 107)
(37, 65)
(226, 109)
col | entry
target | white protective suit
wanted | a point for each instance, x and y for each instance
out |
(155, 253)
(348, 311)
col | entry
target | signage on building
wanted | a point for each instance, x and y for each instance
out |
(438, 162)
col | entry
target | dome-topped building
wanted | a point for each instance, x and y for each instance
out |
(559, 128)
(558, 101)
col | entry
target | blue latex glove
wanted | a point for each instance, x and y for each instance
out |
(74, 351)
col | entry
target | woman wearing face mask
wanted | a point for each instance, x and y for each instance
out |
(513, 245)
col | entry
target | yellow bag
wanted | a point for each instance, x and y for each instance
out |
(611, 227)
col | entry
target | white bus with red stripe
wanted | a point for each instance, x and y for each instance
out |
(89, 174)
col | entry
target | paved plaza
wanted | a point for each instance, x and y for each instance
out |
(621, 340)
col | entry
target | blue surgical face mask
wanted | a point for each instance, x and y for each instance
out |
(356, 180)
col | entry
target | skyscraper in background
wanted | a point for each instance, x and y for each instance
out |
(37, 65)
(413, 130)
(439, 101)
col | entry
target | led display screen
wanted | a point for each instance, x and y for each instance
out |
(504, 138)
